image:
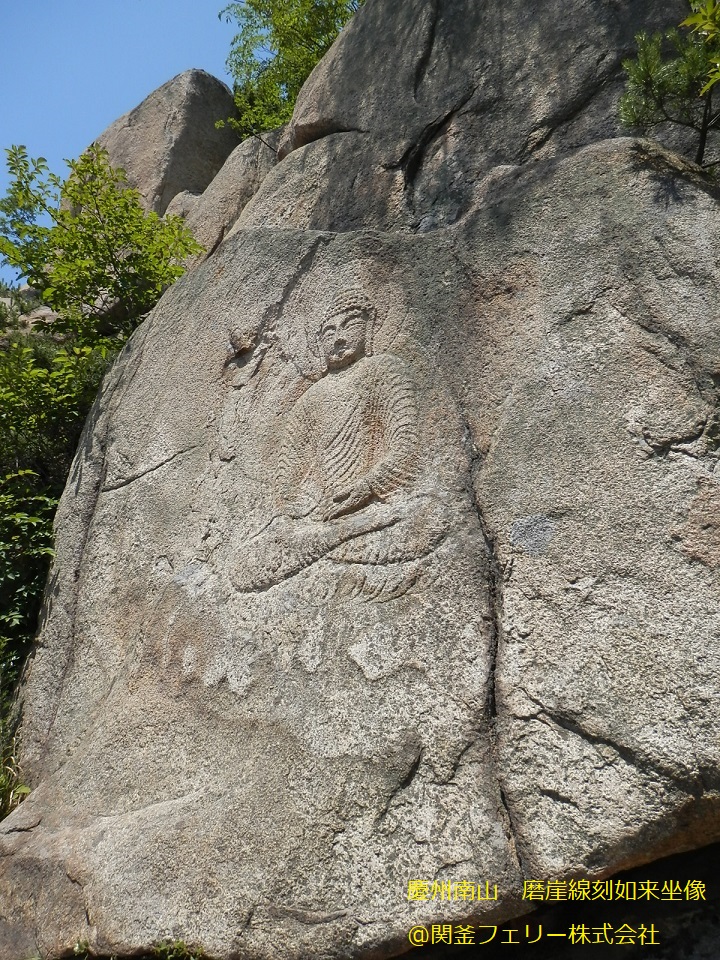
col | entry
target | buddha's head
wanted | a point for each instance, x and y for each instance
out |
(345, 334)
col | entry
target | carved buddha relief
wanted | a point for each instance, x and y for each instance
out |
(352, 438)
(347, 465)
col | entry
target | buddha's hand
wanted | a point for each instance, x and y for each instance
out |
(350, 498)
(304, 501)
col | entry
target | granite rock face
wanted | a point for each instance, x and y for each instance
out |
(389, 554)
(404, 121)
(212, 216)
(169, 143)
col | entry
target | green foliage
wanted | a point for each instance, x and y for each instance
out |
(83, 951)
(99, 260)
(101, 263)
(25, 546)
(8, 316)
(46, 390)
(705, 21)
(9, 312)
(661, 89)
(25, 549)
(12, 790)
(668, 83)
(278, 44)
(177, 950)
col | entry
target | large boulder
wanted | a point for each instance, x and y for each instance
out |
(445, 613)
(388, 559)
(169, 143)
(212, 215)
(418, 102)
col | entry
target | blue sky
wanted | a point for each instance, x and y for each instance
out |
(68, 68)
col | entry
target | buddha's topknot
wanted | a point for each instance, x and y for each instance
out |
(351, 299)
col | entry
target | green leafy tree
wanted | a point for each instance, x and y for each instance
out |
(668, 83)
(25, 548)
(46, 390)
(25, 551)
(86, 243)
(705, 21)
(278, 44)
(101, 263)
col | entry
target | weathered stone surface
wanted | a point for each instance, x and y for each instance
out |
(182, 204)
(418, 102)
(212, 216)
(364, 701)
(255, 715)
(390, 554)
(169, 143)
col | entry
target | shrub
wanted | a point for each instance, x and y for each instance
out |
(278, 44)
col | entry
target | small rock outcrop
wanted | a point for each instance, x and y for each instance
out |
(212, 215)
(169, 143)
(388, 556)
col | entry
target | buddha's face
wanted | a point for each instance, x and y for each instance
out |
(342, 337)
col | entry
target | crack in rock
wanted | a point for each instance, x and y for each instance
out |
(143, 473)
(496, 600)
(426, 53)
(412, 159)
(690, 781)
